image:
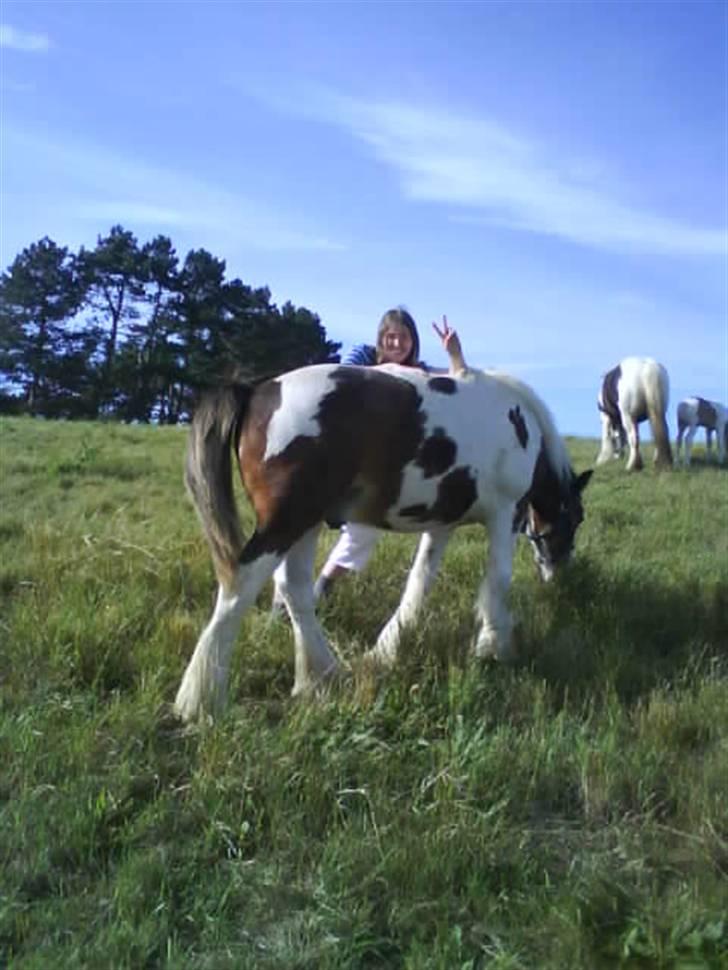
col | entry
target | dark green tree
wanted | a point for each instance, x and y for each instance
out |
(40, 295)
(125, 331)
(195, 318)
(146, 359)
(113, 275)
(262, 340)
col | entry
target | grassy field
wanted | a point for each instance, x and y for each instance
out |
(568, 812)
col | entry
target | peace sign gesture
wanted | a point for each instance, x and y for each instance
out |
(446, 334)
(451, 343)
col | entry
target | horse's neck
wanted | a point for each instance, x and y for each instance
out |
(546, 492)
(707, 413)
(610, 397)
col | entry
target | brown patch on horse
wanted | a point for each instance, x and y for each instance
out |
(516, 419)
(370, 425)
(443, 385)
(456, 492)
(374, 422)
(437, 453)
(262, 485)
(706, 413)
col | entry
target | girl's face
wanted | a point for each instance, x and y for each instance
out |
(396, 344)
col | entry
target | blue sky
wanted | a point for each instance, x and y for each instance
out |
(553, 176)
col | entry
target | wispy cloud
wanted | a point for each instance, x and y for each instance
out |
(102, 186)
(16, 87)
(22, 40)
(124, 210)
(491, 175)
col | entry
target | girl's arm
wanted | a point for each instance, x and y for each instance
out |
(451, 343)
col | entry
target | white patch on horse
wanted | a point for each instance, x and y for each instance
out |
(296, 414)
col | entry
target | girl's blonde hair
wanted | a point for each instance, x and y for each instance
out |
(399, 317)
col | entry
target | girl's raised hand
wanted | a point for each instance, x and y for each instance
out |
(451, 343)
(446, 333)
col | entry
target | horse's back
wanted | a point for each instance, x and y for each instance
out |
(643, 387)
(700, 411)
(396, 447)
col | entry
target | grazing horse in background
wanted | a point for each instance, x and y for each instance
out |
(394, 447)
(637, 389)
(695, 412)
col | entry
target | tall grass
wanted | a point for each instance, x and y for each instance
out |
(570, 811)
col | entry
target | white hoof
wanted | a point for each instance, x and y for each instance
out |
(311, 685)
(490, 646)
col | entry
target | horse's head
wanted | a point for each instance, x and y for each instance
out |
(613, 427)
(551, 522)
(619, 438)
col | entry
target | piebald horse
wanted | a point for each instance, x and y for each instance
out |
(394, 447)
(637, 389)
(695, 412)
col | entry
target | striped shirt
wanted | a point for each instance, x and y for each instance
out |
(365, 355)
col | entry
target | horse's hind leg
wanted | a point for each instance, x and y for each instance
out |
(421, 576)
(314, 660)
(689, 443)
(496, 624)
(204, 685)
(634, 462)
(661, 437)
(720, 435)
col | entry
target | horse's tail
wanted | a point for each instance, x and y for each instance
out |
(657, 393)
(208, 474)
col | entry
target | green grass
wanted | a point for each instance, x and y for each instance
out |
(567, 812)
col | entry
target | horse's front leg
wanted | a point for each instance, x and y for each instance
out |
(607, 449)
(634, 462)
(314, 660)
(689, 443)
(424, 569)
(496, 625)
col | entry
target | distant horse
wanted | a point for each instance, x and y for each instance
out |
(637, 389)
(393, 447)
(695, 412)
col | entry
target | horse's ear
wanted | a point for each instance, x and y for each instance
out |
(581, 481)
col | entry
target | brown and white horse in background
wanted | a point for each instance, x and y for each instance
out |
(636, 390)
(694, 413)
(393, 447)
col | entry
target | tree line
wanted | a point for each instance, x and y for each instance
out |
(131, 332)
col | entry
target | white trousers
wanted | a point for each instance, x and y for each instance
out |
(353, 549)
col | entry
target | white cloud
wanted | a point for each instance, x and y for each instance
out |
(21, 40)
(124, 210)
(16, 87)
(94, 184)
(495, 177)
